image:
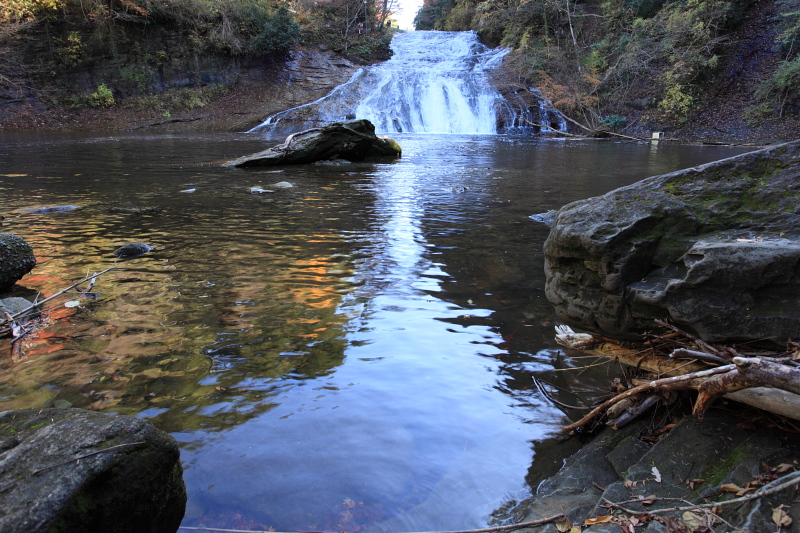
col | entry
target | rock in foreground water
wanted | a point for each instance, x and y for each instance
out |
(16, 260)
(713, 249)
(353, 141)
(66, 470)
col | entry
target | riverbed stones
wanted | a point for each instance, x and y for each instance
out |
(713, 249)
(16, 260)
(66, 470)
(353, 141)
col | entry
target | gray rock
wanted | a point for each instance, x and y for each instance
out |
(16, 260)
(14, 305)
(694, 460)
(713, 249)
(135, 486)
(51, 209)
(354, 141)
(132, 250)
(547, 218)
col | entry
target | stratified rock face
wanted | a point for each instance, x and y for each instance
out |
(714, 249)
(354, 141)
(128, 478)
(16, 260)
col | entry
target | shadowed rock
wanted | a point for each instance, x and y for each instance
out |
(16, 260)
(714, 249)
(354, 141)
(132, 251)
(128, 479)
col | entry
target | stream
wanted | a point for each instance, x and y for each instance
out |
(352, 353)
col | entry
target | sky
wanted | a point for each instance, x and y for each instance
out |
(408, 10)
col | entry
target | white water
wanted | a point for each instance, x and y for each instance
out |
(436, 82)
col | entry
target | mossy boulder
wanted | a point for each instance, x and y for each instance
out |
(714, 249)
(16, 260)
(66, 470)
(353, 141)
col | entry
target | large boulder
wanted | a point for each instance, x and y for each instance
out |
(16, 260)
(67, 470)
(714, 249)
(354, 141)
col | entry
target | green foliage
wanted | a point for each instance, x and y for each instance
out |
(21, 10)
(270, 31)
(71, 51)
(789, 39)
(677, 102)
(613, 121)
(432, 16)
(782, 87)
(102, 96)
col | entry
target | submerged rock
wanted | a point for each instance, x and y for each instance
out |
(128, 479)
(547, 218)
(51, 209)
(16, 260)
(353, 141)
(14, 305)
(713, 249)
(133, 250)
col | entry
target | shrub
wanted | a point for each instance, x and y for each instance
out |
(271, 32)
(102, 96)
(783, 87)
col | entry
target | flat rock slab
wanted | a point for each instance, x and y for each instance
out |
(68, 470)
(693, 461)
(714, 249)
(353, 141)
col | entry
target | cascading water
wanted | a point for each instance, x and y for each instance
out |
(436, 82)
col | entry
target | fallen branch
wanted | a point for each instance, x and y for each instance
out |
(59, 293)
(623, 353)
(86, 455)
(767, 385)
(509, 527)
(772, 487)
(666, 383)
(549, 397)
(170, 121)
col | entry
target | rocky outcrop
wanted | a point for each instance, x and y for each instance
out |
(714, 249)
(353, 141)
(66, 470)
(16, 260)
(689, 464)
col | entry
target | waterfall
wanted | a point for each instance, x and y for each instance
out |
(436, 82)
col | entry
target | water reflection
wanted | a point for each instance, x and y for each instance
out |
(350, 353)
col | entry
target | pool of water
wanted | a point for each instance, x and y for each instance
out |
(351, 353)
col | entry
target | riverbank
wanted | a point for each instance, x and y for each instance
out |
(669, 473)
(247, 92)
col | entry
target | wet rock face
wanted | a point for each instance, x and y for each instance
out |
(128, 478)
(353, 141)
(16, 260)
(714, 249)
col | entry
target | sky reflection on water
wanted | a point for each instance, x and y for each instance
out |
(352, 353)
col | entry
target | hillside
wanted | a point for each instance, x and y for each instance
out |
(696, 69)
(219, 64)
(724, 71)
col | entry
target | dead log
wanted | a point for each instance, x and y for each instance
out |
(626, 353)
(755, 382)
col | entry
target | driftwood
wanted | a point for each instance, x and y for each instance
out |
(169, 121)
(754, 381)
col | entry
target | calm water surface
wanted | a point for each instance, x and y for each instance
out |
(352, 353)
